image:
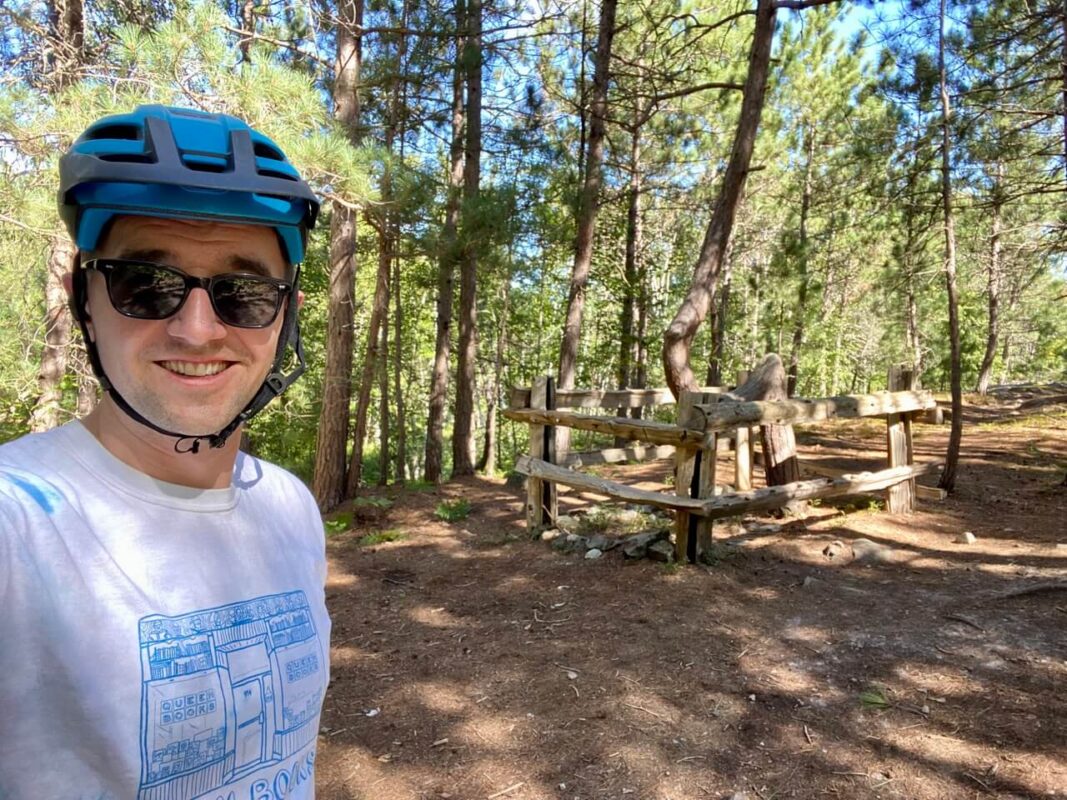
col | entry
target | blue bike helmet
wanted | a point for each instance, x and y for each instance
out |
(179, 163)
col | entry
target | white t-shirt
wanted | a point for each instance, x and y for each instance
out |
(157, 642)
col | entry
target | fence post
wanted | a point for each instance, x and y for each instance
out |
(744, 443)
(694, 476)
(541, 508)
(900, 499)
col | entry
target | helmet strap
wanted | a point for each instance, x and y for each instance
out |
(276, 382)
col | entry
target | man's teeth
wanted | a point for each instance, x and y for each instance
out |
(196, 369)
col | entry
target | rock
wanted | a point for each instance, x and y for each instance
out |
(549, 535)
(966, 538)
(812, 583)
(739, 796)
(627, 516)
(567, 523)
(769, 528)
(599, 541)
(636, 546)
(661, 551)
(569, 543)
(833, 550)
(864, 551)
(593, 552)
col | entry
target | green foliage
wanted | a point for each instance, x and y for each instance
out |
(453, 510)
(339, 523)
(381, 537)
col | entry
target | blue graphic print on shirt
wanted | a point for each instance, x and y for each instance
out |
(228, 691)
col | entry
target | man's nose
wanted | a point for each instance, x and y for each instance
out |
(196, 323)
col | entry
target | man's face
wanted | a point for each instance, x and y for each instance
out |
(189, 373)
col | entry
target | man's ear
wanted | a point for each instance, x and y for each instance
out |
(299, 299)
(69, 280)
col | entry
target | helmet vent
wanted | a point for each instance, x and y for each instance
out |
(127, 132)
(270, 173)
(266, 151)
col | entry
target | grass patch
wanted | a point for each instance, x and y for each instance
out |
(381, 537)
(372, 502)
(339, 524)
(453, 510)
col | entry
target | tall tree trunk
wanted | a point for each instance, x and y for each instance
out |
(487, 463)
(678, 338)
(446, 269)
(66, 43)
(587, 208)
(383, 399)
(466, 361)
(805, 271)
(718, 330)
(630, 288)
(329, 479)
(62, 258)
(993, 286)
(378, 313)
(248, 29)
(398, 366)
(948, 477)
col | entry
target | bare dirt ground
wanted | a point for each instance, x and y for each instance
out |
(471, 662)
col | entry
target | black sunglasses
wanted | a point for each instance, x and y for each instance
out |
(143, 290)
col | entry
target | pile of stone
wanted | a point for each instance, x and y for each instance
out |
(637, 532)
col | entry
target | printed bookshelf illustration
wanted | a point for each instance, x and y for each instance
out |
(226, 691)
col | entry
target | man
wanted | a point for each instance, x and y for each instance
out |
(163, 631)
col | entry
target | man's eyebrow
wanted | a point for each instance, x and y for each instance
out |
(256, 267)
(146, 254)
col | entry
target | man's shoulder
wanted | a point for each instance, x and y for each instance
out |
(30, 466)
(264, 478)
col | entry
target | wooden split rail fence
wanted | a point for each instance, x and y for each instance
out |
(704, 419)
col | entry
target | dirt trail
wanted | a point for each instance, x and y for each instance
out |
(470, 662)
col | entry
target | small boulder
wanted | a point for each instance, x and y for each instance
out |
(812, 583)
(864, 551)
(636, 546)
(549, 535)
(662, 551)
(966, 538)
(599, 541)
(569, 543)
(593, 552)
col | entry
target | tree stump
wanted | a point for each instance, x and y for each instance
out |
(767, 381)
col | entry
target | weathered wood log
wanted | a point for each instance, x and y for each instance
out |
(536, 468)
(541, 500)
(619, 455)
(900, 498)
(519, 397)
(724, 415)
(809, 468)
(639, 429)
(736, 503)
(727, 505)
(694, 477)
(767, 383)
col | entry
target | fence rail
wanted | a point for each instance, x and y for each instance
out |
(703, 418)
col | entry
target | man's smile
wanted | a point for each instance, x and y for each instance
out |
(196, 369)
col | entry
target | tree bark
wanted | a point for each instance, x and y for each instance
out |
(587, 207)
(767, 381)
(466, 362)
(446, 270)
(370, 363)
(993, 287)
(330, 477)
(948, 476)
(678, 338)
(62, 258)
(383, 397)
(802, 260)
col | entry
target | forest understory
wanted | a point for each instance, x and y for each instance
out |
(470, 661)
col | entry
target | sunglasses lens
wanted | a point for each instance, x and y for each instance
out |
(145, 291)
(246, 302)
